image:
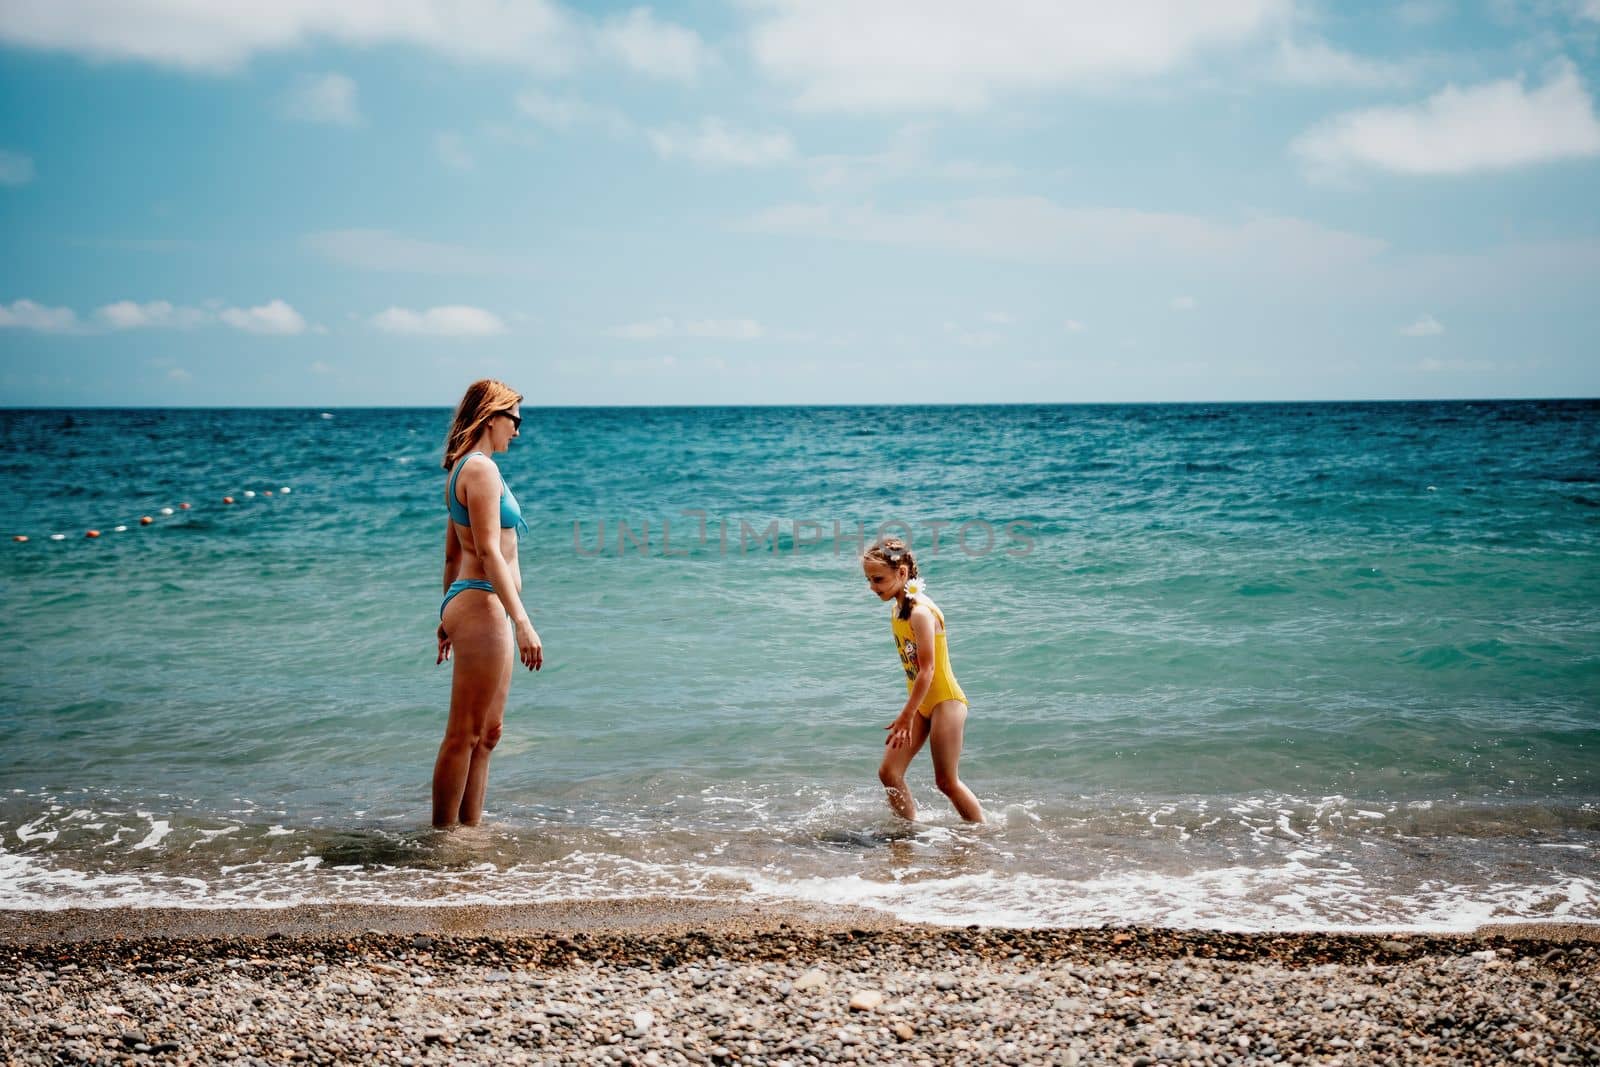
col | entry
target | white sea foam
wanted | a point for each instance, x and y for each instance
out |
(31, 832)
(159, 828)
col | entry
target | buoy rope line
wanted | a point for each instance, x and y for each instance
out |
(150, 520)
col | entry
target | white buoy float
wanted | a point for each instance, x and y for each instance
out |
(58, 537)
(118, 529)
(248, 493)
(285, 490)
(166, 511)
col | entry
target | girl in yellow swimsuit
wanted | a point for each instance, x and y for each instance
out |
(936, 708)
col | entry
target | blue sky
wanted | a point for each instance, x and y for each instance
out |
(812, 201)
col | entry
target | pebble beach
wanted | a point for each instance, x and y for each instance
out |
(697, 984)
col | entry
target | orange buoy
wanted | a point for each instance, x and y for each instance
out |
(145, 520)
(183, 507)
(91, 533)
(20, 538)
(227, 500)
(266, 492)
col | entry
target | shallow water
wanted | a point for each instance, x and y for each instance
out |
(1253, 666)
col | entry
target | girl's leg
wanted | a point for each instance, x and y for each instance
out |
(482, 645)
(892, 771)
(478, 770)
(948, 724)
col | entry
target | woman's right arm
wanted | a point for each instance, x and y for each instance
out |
(452, 567)
(481, 486)
(452, 552)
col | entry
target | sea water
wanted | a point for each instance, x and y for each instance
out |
(1322, 666)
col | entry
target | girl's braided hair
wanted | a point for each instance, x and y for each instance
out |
(892, 552)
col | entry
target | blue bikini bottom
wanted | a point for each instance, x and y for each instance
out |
(464, 583)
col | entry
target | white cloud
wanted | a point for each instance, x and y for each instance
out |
(273, 317)
(908, 155)
(452, 320)
(709, 329)
(1425, 326)
(652, 47)
(222, 36)
(716, 144)
(1590, 9)
(1320, 64)
(557, 111)
(999, 318)
(1495, 126)
(649, 330)
(452, 152)
(898, 55)
(1034, 229)
(326, 98)
(383, 250)
(1424, 12)
(1434, 366)
(565, 112)
(15, 168)
(1072, 326)
(1184, 303)
(129, 315)
(981, 338)
(27, 315)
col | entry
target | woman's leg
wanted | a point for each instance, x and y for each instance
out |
(892, 771)
(478, 770)
(482, 648)
(948, 724)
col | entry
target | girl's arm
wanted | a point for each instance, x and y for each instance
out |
(922, 630)
(482, 490)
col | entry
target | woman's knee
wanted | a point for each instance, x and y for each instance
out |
(489, 738)
(892, 777)
(947, 783)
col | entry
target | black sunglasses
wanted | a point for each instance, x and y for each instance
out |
(516, 420)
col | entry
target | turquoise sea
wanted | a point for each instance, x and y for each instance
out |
(1316, 666)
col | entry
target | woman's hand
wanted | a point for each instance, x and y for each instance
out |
(444, 645)
(899, 731)
(529, 648)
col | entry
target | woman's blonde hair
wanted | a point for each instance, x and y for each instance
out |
(484, 399)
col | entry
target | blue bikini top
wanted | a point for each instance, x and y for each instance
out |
(510, 513)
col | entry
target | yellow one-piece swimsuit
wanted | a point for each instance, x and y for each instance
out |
(944, 687)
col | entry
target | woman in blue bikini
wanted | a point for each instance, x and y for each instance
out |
(483, 587)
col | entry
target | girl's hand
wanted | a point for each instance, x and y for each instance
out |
(529, 648)
(899, 732)
(444, 645)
